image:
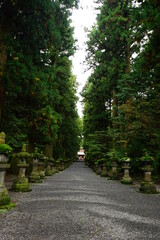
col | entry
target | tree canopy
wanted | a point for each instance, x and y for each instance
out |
(121, 97)
(38, 90)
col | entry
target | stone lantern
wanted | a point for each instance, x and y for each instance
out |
(104, 171)
(53, 168)
(61, 165)
(114, 165)
(126, 166)
(21, 184)
(114, 174)
(4, 148)
(98, 167)
(49, 167)
(42, 166)
(35, 176)
(147, 186)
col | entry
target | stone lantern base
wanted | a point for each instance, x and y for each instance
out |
(49, 171)
(21, 185)
(99, 170)
(126, 180)
(54, 170)
(104, 172)
(4, 197)
(148, 187)
(35, 177)
(113, 176)
(42, 174)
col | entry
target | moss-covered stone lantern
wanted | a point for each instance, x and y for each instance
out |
(113, 159)
(21, 183)
(98, 166)
(35, 176)
(41, 167)
(114, 174)
(54, 170)
(147, 186)
(4, 150)
(61, 164)
(49, 166)
(104, 171)
(126, 166)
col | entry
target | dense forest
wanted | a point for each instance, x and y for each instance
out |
(37, 87)
(122, 95)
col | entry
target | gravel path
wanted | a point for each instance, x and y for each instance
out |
(79, 205)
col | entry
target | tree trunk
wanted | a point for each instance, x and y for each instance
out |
(114, 113)
(4, 31)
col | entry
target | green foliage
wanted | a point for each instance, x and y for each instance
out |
(5, 149)
(39, 89)
(124, 53)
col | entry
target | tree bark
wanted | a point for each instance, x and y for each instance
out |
(4, 31)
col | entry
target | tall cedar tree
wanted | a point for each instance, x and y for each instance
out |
(36, 43)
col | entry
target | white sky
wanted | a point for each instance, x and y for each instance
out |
(83, 17)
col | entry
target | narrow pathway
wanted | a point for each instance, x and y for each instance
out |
(79, 205)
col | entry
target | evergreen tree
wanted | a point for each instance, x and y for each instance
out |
(37, 87)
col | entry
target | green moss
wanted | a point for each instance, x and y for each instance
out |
(4, 200)
(35, 178)
(21, 185)
(53, 170)
(126, 180)
(42, 174)
(9, 206)
(4, 197)
(148, 187)
(5, 149)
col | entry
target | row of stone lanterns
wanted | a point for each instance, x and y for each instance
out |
(147, 186)
(21, 183)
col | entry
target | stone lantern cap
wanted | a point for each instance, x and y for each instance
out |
(126, 159)
(23, 153)
(126, 162)
(22, 156)
(36, 154)
(146, 158)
